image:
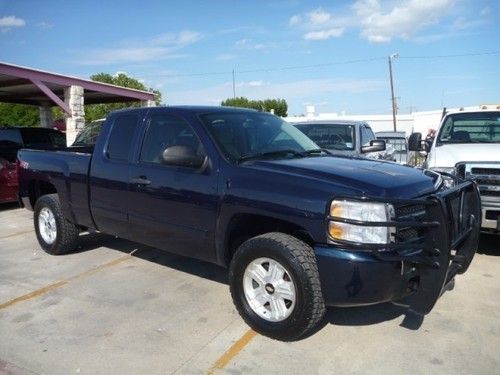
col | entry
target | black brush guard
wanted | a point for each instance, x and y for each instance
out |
(435, 237)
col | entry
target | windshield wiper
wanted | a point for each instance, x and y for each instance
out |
(266, 154)
(317, 151)
(294, 153)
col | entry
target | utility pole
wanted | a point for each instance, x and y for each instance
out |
(234, 87)
(393, 99)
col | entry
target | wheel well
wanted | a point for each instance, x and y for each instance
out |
(38, 188)
(245, 226)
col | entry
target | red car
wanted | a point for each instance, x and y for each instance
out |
(13, 139)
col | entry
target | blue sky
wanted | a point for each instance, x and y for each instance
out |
(332, 54)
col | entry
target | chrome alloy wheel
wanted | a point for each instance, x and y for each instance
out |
(269, 289)
(47, 225)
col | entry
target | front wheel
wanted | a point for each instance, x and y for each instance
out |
(55, 234)
(275, 286)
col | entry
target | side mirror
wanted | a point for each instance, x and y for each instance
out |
(182, 156)
(375, 145)
(415, 142)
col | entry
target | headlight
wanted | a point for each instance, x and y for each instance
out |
(448, 182)
(361, 211)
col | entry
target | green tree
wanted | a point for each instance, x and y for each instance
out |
(279, 106)
(97, 111)
(19, 115)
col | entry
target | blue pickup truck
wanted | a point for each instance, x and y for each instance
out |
(298, 228)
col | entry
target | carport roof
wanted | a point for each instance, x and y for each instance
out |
(24, 85)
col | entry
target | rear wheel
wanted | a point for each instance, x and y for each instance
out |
(275, 286)
(55, 234)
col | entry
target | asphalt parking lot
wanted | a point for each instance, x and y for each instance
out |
(119, 307)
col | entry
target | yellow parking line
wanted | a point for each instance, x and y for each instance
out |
(232, 351)
(51, 287)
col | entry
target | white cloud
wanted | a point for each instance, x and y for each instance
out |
(8, 22)
(295, 20)
(318, 24)
(319, 17)
(485, 11)
(159, 47)
(249, 44)
(324, 34)
(256, 83)
(402, 20)
(225, 57)
(45, 25)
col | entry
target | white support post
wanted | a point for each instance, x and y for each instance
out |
(46, 120)
(73, 97)
(148, 103)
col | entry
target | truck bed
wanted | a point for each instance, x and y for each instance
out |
(67, 170)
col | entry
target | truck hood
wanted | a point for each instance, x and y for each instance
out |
(369, 177)
(449, 155)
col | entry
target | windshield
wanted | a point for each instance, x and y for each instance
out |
(477, 127)
(245, 133)
(330, 136)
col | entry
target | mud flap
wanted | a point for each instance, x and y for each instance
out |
(449, 249)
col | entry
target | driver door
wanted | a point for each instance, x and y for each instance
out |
(170, 207)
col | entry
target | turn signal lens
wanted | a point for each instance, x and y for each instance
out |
(335, 230)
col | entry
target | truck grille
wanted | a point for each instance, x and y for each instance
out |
(486, 175)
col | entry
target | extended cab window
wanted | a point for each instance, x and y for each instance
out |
(166, 131)
(122, 135)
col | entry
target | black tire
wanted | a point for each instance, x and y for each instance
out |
(300, 262)
(66, 238)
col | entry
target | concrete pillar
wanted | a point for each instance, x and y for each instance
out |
(46, 120)
(148, 103)
(73, 97)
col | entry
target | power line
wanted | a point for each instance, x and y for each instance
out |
(453, 55)
(321, 65)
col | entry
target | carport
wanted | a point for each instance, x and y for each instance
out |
(24, 85)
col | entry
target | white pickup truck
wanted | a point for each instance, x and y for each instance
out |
(467, 145)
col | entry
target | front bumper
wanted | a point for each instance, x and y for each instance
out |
(414, 269)
(490, 212)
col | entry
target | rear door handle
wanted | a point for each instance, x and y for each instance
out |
(141, 180)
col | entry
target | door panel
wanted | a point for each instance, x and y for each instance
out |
(172, 208)
(109, 181)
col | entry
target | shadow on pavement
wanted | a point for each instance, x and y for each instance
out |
(489, 244)
(192, 266)
(9, 206)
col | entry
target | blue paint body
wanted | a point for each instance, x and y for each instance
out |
(190, 212)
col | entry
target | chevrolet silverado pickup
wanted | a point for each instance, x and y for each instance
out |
(467, 145)
(298, 228)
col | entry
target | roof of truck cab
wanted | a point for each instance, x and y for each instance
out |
(189, 108)
(330, 122)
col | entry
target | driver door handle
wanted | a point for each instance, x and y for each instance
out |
(141, 180)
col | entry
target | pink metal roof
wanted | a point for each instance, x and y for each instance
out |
(24, 85)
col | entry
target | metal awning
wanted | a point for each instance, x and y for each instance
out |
(24, 85)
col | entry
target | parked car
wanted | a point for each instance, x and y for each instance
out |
(397, 140)
(13, 139)
(298, 228)
(467, 146)
(350, 138)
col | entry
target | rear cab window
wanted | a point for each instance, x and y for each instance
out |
(121, 137)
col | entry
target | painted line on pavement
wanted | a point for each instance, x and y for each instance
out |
(232, 352)
(48, 288)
